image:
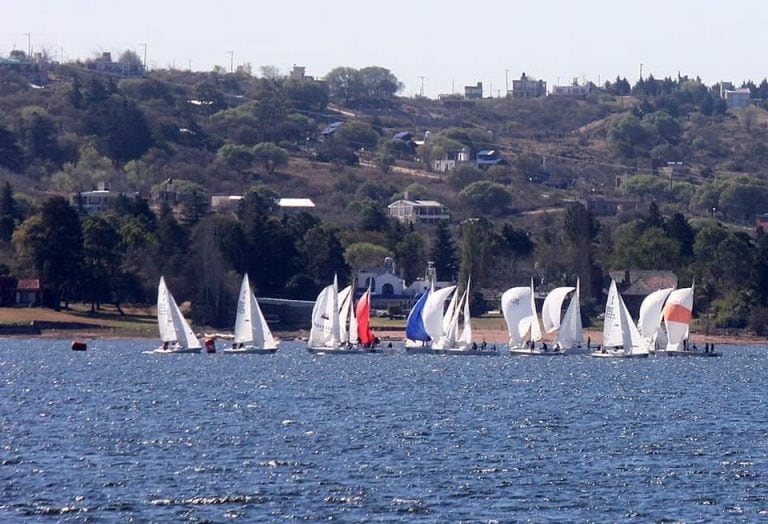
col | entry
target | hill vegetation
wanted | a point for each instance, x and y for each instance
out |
(687, 174)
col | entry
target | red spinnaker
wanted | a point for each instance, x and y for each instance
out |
(363, 314)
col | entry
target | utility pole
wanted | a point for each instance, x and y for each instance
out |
(506, 82)
(421, 90)
(231, 61)
(29, 45)
(641, 70)
(145, 56)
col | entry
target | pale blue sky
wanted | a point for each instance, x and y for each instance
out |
(448, 42)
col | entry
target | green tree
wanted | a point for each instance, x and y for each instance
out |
(357, 136)
(486, 197)
(344, 84)
(411, 255)
(236, 157)
(102, 257)
(51, 243)
(362, 255)
(443, 253)
(580, 230)
(10, 215)
(11, 155)
(270, 156)
(323, 254)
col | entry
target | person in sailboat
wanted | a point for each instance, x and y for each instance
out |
(474, 346)
(483, 344)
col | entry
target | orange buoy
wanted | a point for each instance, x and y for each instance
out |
(78, 345)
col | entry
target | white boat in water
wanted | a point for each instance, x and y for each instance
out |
(519, 308)
(621, 339)
(175, 333)
(649, 320)
(677, 317)
(326, 335)
(569, 329)
(426, 323)
(252, 334)
(453, 343)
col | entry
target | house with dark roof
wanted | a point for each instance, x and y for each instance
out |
(636, 284)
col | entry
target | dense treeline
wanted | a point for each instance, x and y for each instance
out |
(241, 134)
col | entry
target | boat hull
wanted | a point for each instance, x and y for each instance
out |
(467, 352)
(534, 352)
(682, 353)
(173, 351)
(618, 354)
(342, 351)
(249, 351)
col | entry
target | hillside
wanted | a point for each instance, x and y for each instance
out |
(661, 175)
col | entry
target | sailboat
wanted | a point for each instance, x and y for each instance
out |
(569, 328)
(416, 337)
(175, 332)
(649, 320)
(426, 321)
(364, 333)
(348, 326)
(252, 334)
(621, 339)
(518, 305)
(325, 336)
(677, 317)
(451, 343)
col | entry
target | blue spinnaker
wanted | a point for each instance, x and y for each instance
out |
(414, 328)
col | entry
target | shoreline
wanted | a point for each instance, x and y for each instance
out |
(140, 323)
(386, 335)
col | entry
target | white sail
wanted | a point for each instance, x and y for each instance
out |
(164, 316)
(516, 307)
(570, 334)
(466, 335)
(649, 320)
(172, 324)
(534, 321)
(453, 306)
(325, 331)
(553, 305)
(250, 325)
(345, 306)
(677, 316)
(619, 329)
(433, 312)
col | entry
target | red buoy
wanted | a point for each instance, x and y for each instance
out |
(210, 345)
(78, 345)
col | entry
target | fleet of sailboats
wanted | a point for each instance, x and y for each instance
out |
(339, 326)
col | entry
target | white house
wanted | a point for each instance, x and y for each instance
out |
(450, 160)
(418, 211)
(737, 97)
(99, 200)
(573, 90)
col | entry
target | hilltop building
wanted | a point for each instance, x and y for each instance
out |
(413, 211)
(528, 87)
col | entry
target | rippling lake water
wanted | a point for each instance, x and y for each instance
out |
(116, 434)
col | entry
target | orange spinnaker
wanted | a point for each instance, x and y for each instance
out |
(677, 313)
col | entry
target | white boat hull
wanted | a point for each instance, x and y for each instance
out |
(342, 350)
(683, 353)
(535, 352)
(249, 351)
(618, 354)
(467, 352)
(170, 351)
